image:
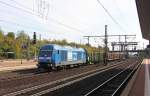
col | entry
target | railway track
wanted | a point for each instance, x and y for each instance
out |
(114, 85)
(44, 89)
(22, 74)
(9, 76)
(9, 85)
(84, 86)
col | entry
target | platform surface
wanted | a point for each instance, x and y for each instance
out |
(11, 65)
(141, 85)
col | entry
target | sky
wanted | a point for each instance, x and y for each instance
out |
(72, 19)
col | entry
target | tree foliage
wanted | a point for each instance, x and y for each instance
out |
(1, 36)
(11, 35)
(21, 46)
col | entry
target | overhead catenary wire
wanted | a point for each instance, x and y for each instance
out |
(32, 13)
(18, 8)
(28, 26)
(58, 22)
(113, 19)
(25, 21)
(21, 25)
(120, 13)
(21, 5)
(39, 7)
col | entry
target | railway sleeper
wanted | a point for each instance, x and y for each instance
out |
(106, 91)
(112, 86)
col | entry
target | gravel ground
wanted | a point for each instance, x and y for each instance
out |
(15, 84)
(84, 86)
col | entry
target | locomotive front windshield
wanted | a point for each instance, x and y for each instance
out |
(46, 51)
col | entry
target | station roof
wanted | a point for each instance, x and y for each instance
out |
(143, 7)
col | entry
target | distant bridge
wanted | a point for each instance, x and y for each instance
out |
(129, 51)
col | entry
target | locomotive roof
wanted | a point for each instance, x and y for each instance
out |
(59, 47)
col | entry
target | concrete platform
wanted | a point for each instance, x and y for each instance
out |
(139, 85)
(12, 65)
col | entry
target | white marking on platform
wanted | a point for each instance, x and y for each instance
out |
(147, 79)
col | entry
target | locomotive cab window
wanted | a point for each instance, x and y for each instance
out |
(58, 52)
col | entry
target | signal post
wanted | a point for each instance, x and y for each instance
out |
(34, 42)
(106, 46)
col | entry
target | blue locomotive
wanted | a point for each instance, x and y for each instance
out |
(52, 56)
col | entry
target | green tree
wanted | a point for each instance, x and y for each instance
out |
(17, 49)
(1, 36)
(11, 35)
(64, 42)
(10, 38)
(22, 36)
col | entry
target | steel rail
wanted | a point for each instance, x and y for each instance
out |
(72, 82)
(101, 85)
(124, 82)
(85, 75)
(24, 76)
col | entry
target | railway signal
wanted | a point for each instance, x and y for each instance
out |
(34, 38)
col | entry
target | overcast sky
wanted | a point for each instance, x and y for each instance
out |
(71, 19)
